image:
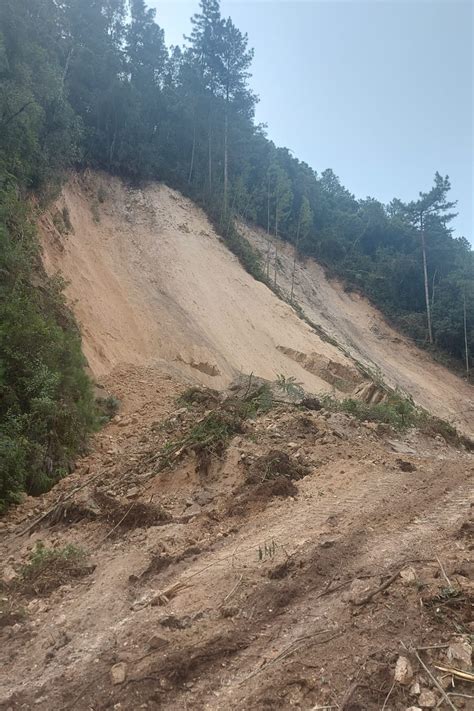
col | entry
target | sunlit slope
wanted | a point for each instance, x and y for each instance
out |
(149, 280)
(362, 330)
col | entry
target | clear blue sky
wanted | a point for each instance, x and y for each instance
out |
(379, 91)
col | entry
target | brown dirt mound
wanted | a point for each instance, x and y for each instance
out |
(130, 515)
(275, 465)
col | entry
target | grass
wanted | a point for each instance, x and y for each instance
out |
(400, 413)
(49, 568)
(211, 434)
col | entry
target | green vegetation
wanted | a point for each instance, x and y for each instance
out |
(91, 83)
(46, 402)
(49, 568)
(398, 412)
(41, 557)
(210, 435)
(290, 386)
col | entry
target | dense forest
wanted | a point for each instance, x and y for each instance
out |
(93, 83)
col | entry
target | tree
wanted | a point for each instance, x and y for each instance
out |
(282, 197)
(305, 220)
(205, 48)
(431, 207)
(234, 75)
(145, 47)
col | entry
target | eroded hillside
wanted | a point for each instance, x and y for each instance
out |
(229, 548)
(364, 333)
(150, 281)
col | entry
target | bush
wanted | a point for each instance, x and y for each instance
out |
(46, 401)
(107, 407)
(49, 568)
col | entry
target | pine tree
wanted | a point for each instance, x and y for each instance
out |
(206, 46)
(431, 207)
(305, 219)
(234, 66)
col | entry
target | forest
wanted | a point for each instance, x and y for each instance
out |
(92, 83)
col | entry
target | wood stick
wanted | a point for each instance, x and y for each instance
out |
(433, 678)
(444, 572)
(459, 673)
(388, 696)
(381, 588)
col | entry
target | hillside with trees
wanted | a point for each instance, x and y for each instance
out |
(92, 83)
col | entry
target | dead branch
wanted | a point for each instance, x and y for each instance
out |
(432, 677)
(367, 598)
(458, 673)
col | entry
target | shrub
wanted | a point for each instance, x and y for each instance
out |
(46, 401)
(107, 408)
(49, 568)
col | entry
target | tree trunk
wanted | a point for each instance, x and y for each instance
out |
(66, 68)
(276, 243)
(425, 273)
(191, 167)
(466, 347)
(210, 152)
(294, 258)
(226, 154)
(433, 285)
(268, 230)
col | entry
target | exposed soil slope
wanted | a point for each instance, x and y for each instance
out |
(255, 582)
(150, 281)
(362, 330)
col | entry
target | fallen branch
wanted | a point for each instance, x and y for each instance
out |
(290, 649)
(458, 673)
(61, 500)
(444, 572)
(112, 530)
(388, 696)
(231, 592)
(367, 598)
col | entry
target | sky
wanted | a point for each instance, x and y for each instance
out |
(381, 91)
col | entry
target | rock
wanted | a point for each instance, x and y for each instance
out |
(405, 466)
(415, 689)
(8, 575)
(408, 575)
(193, 510)
(311, 403)
(414, 708)
(133, 492)
(157, 642)
(427, 699)
(176, 623)
(460, 653)
(204, 498)
(118, 673)
(403, 671)
(400, 447)
(359, 590)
